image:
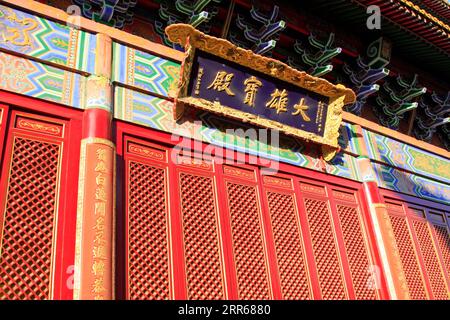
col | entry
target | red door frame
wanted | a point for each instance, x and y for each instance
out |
(163, 138)
(64, 250)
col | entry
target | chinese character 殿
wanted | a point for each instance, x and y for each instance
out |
(222, 82)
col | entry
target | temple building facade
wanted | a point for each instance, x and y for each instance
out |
(224, 149)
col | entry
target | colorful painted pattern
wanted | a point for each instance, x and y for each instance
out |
(407, 157)
(144, 70)
(224, 133)
(390, 178)
(347, 138)
(156, 113)
(343, 165)
(38, 80)
(44, 39)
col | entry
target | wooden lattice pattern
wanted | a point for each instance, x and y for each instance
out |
(356, 250)
(148, 274)
(431, 261)
(248, 247)
(29, 218)
(288, 246)
(325, 250)
(201, 242)
(443, 241)
(408, 258)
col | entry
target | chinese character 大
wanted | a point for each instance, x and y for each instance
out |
(300, 109)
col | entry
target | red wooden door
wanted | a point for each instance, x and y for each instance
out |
(421, 231)
(39, 175)
(191, 227)
(251, 258)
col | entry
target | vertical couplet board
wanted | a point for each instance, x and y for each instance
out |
(193, 227)
(38, 199)
(95, 230)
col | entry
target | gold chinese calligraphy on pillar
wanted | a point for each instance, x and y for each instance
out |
(94, 249)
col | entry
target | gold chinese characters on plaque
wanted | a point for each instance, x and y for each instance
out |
(221, 78)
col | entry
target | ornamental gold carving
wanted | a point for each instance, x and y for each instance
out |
(194, 40)
(146, 152)
(39, 126)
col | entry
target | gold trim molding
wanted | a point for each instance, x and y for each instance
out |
(193, 40)
(427, 15)
(185, 34)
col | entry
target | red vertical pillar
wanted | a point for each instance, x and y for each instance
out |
(94, 252)
(384, 235)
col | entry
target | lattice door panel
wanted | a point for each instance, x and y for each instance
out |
(422, 236)
(29, 219)
(325, 249)
(31, 173)
(443, 243)
(201, 237)
(248, 243)
(148, 254)
(408, 257)
(431, 261)
(289, 246)
(357, 251)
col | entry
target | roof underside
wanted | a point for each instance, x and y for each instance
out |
(418, 39)
(439, 8)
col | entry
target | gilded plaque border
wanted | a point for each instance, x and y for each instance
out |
(193, 40)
